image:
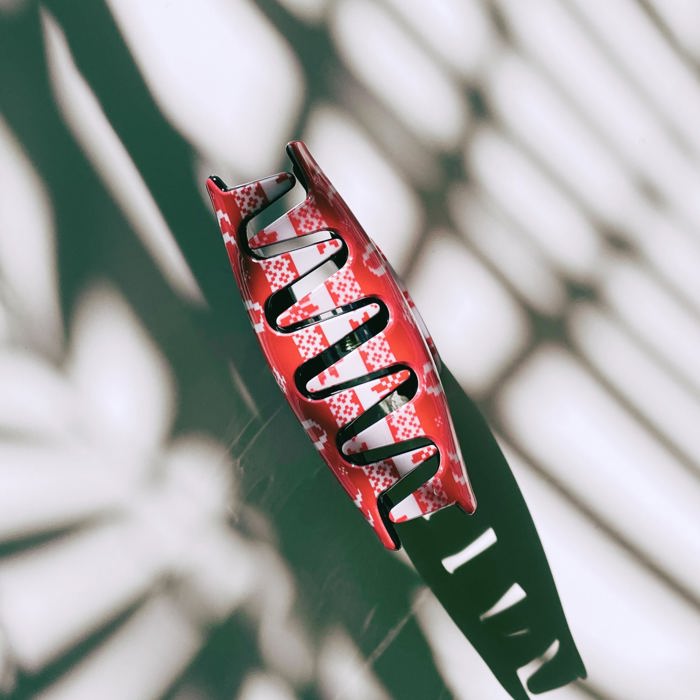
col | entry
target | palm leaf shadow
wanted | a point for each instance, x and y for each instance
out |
(96, 240)
(345, 577)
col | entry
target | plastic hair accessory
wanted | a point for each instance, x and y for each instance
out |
(346, 346)
(352, 355)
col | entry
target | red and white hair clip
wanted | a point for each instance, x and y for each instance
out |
(346, 346)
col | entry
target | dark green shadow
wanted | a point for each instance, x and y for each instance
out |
(520, 633)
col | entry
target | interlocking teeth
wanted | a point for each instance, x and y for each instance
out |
(364, 385)
(343, 350)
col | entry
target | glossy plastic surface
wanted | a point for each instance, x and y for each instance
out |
(342, 340)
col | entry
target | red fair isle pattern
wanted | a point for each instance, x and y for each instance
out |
(249, 199)
(311, 256)
(420, 456)
(299, 312)
(331, 245)
(343, 287)
(376, 353)
(224, 222)
(328, 375)
(310, 341)
(366, 315)
(257, 315)
(374, 261)
(306, 217)
(263, 238)
(381, 475)
(387, 384)
(280, 271)
(279, 230)
(355, 445)
(431, 381)
(345, 407)
(345, 369)
(404, 423)
(319, 300)
(431, 496)
(318, 435)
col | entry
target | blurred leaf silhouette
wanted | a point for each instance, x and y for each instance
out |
(543, 165)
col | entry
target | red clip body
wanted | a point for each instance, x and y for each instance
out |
(339, 333)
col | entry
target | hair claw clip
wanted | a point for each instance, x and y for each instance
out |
(352, 355)
(346, 346)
